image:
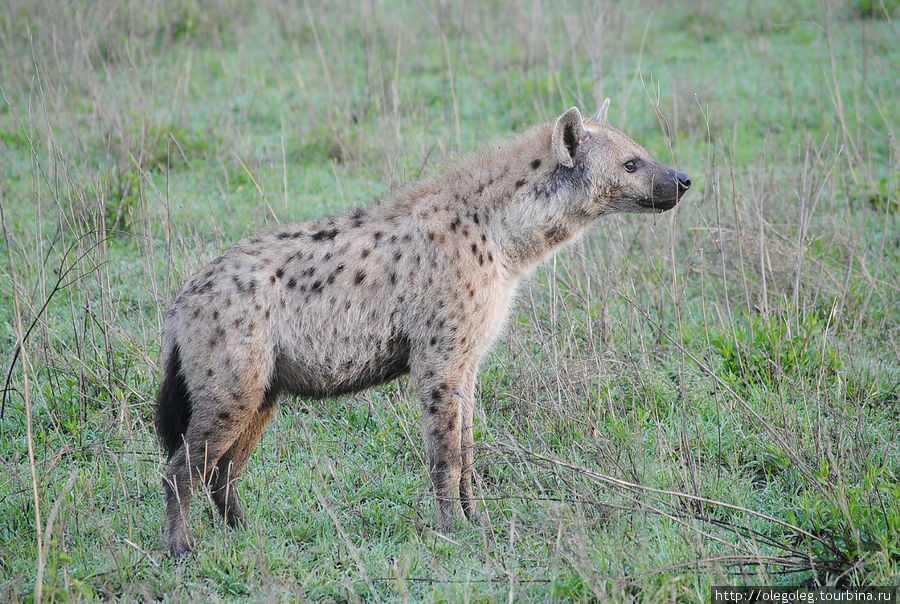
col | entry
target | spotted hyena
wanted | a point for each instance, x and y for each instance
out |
(418, 284)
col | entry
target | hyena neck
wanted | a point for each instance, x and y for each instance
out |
(538, 213)
(516, 192)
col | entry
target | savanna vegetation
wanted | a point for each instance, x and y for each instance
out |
(709, 396)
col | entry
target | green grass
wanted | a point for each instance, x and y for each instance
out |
(699, 398)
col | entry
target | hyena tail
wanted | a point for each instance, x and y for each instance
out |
(173, 406)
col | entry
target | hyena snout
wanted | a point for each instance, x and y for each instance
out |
(669, 186)
(683, 182)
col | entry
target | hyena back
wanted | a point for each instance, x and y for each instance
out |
(418, 284)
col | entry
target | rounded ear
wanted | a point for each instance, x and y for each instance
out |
(568, 133)
(600, 116)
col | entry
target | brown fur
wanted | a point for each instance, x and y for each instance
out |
(419, 283)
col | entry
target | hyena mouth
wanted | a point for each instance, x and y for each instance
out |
(659, 205)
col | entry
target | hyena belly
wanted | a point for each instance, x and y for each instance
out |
(343, 315)
(306, 368)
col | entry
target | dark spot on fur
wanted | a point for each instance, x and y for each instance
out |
(454, 224)
(366, 252)
(209, 372)
(292, 282)
(433, 340)
(535, 164)
(490, 257)
(483, 238)
(215, 314)
(224, 415)
(238, 321)
(326, 258)
(272, 279)
(280, 272)
(359, 277)
(556, 234)
(325, 234)
(432, 409)
(267, 314)
(451, 424)
(436, 394)
(520, 182)
(475, 218)
(430, 235)
(398, 256)
(196, 312)
(316, 286)
(309, 272)
(474, 249)
(481, 259)
(393, 239)
(393, 278)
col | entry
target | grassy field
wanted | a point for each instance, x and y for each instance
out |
(709, 396)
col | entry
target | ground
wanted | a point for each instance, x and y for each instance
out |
(698, 398)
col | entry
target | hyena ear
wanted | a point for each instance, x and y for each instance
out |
(600, 116)
(568, 133)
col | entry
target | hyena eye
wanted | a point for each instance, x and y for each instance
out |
(630, 166)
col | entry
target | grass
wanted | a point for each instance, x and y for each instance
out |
(704, 397)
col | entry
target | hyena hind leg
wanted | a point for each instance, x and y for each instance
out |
(231, 465)
(214, 427)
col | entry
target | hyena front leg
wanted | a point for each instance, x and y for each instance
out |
(467, 444)
(443, 449)
(447, 409)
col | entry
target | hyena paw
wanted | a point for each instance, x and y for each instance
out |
(180, 545)
(471, 511)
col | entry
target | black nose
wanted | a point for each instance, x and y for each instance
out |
(684, 182)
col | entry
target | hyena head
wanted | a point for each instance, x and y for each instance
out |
(619, 175)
